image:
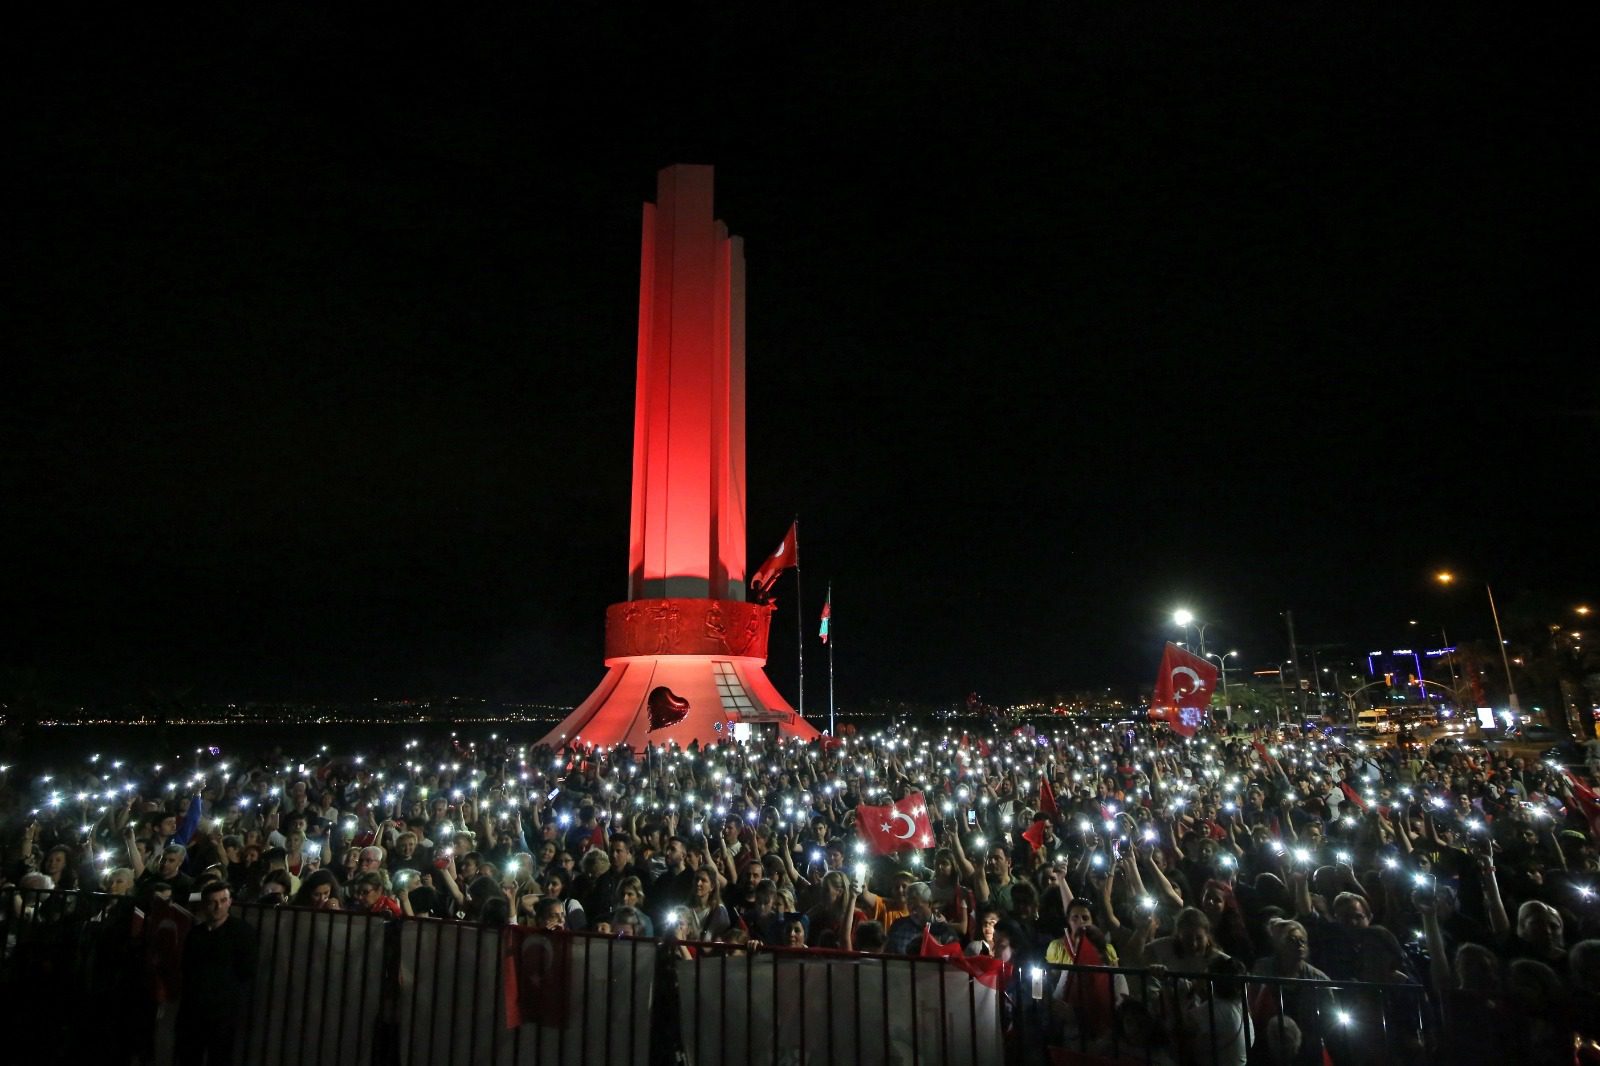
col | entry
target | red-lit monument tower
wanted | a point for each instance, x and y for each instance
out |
(685, 626)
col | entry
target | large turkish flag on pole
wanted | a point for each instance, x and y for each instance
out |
(786, 555)
(896, 827)
(1183, 690)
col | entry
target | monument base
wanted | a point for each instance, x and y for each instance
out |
(711, 653)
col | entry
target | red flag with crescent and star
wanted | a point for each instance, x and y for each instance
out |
(1588, 802)
(1183, 690)
(537, 966)
(787, 555)
(897, 827)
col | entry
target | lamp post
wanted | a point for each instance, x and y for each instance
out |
(1222, 667)
(1185, 618)
(1446, 577)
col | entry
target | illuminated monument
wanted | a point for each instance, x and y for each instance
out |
(685, 634)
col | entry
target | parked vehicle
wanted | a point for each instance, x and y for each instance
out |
(1376, 719)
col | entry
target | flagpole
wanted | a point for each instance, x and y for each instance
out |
(800, 613)
(831, 731)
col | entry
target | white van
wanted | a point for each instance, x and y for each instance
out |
(1376, 719)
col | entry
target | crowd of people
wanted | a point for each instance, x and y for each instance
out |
(1456, 884)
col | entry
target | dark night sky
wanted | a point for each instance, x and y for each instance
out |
(326, 335)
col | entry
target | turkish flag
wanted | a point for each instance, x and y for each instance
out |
(537, 965)
(787, 555)
(1092, 995)
(931, 947)
(985, 969)
(1047, 798)
(1034, 835)
(1183, 690)
(896, 827)
(167, 928)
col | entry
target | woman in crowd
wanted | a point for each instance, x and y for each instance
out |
(1311, 1009)
(556, 884)
(58, 867)
(1190, 949)
(630, 894)
(275, 888)
(319, 891)
(710, 917)
(835, 915)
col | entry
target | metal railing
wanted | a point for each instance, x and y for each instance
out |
(353, 989)
(1085, 1014)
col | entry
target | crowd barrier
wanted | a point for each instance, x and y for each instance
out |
(798, 1006)
(574, 998)
(87, 973)
(1068, 1015)
(319, 979)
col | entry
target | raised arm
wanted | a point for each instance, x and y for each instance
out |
(1058, 877)
(448, 874)
(1163, 887)
(1110, 922)
(1402, 828)
(786, 853)
(1300, 883)
(963, 864)
(1499, 924)
(135, 857)
(1141, 940)
(1438, 959)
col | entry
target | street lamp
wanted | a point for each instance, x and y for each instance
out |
(1445, 577)
(1222, 666)
(1185, 618)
